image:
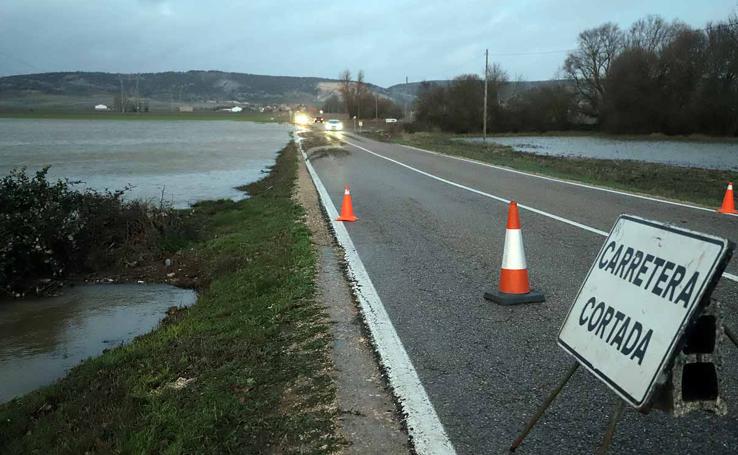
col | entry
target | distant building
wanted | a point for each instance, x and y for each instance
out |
(101, 107)
(186, 109)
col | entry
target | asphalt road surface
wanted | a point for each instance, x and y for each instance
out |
(432, 249)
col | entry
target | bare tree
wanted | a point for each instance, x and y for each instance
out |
(345, 89)
(589, 64)
(652, 33)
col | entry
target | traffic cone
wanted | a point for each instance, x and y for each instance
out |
(728, 203)
(347, 210)
(514, 287)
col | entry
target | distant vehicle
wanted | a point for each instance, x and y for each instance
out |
(390, 120)
(101, 107)
(319, 120)
(333, 125)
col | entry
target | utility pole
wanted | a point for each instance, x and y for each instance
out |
(486, 76)
(376, 107)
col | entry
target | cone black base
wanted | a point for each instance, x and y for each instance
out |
(502, 298)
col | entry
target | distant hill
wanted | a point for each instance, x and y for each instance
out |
(77, 89)
(82, 90)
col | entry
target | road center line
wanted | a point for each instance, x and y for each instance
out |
(425, 429)
(727, 275)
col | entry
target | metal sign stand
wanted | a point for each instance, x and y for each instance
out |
(617, 412)
(544, 406)
(607, 440)
(731, 335)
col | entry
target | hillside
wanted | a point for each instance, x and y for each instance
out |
(80, 91)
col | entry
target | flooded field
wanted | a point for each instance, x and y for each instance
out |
(41, 339)
(710, 155)
(188, 160)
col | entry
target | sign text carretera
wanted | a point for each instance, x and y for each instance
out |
(636, 301)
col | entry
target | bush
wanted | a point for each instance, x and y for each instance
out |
(51, 230)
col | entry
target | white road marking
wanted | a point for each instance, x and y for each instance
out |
(567, 182)
(425, 429)
(729, 276)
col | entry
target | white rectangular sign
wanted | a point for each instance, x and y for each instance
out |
(637, 300)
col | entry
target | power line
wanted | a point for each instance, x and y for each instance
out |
(510, 54)
(21, 61)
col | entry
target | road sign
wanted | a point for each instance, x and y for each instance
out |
(636, 301)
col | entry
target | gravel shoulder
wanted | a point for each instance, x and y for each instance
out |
(368, 418)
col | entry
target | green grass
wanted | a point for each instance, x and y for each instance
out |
(256, 344)
(264, 117)
(700, 186)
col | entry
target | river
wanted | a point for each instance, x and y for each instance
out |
(189, 160)
(703, 154)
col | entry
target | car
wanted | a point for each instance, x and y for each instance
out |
(319, 120)
(390, 120)
(333, 125)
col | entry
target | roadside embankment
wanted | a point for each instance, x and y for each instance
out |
(245, 370)
(696, 185)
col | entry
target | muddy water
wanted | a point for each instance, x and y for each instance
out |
(41, 339)
(188, 160)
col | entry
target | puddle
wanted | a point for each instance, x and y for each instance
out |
(42, 339)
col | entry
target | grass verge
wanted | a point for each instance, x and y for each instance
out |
(700, 186)
(251, 356)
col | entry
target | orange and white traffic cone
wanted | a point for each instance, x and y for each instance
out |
(728, 202)
(514, 287)
(347, 210)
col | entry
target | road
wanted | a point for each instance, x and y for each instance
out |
(431, 239)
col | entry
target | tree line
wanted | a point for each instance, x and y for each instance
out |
(656, 76)
(356, 99)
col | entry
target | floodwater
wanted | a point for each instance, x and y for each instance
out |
(189, 160)
(703, 154)
(42, 339)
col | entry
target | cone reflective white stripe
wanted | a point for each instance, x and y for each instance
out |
(513, 256)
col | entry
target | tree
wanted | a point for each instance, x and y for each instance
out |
(497, 78)
(652, 33)
(333, 104)
(589, 64)
(634, 96)
(345, 89)
(465, 94)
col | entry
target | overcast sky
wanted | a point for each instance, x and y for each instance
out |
(388, 39)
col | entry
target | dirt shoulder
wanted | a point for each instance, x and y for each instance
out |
(368, 419)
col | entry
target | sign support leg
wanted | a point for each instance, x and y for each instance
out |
(731, 335)
(617, 413)
(544, 406)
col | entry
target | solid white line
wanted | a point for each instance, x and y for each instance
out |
(729, 276)
(565, 182)
(426, 431)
